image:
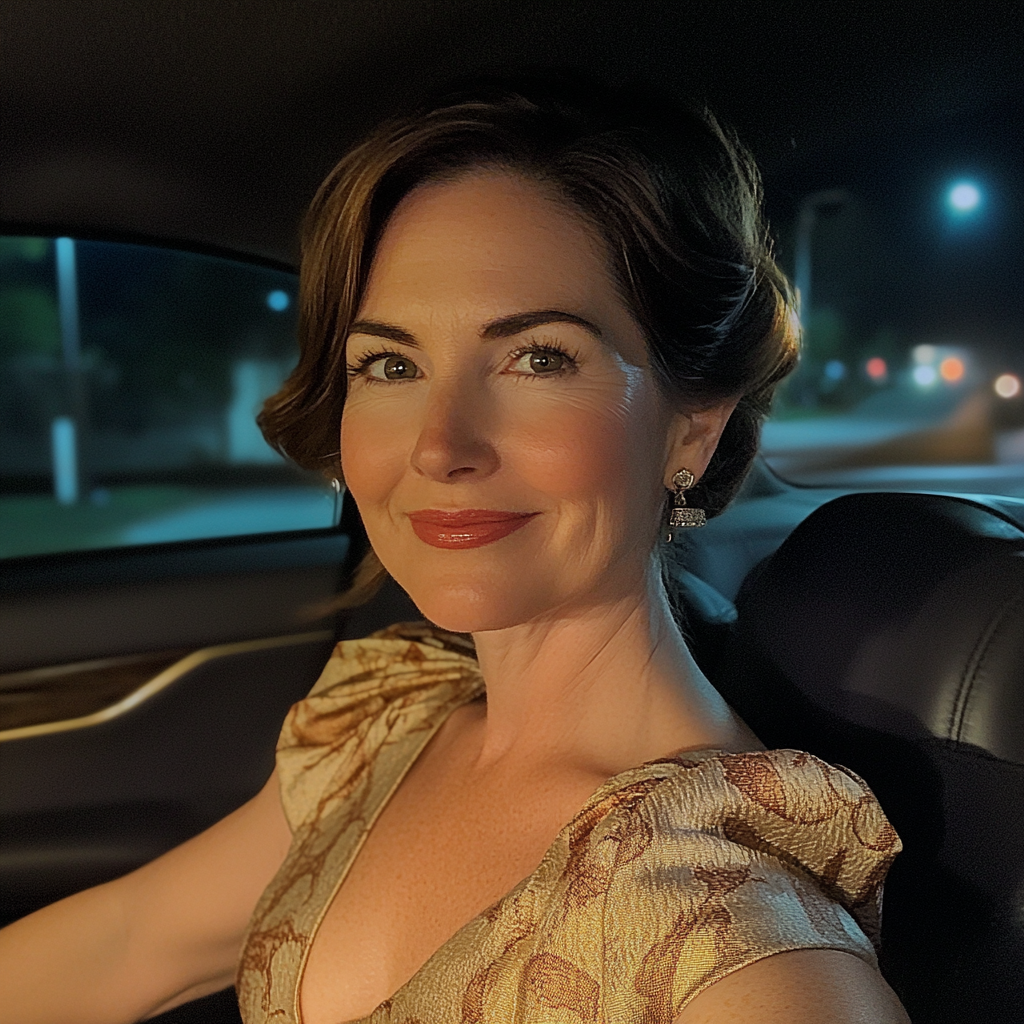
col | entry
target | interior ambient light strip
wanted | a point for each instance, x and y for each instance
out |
(161, 681)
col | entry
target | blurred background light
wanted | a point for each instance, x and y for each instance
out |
(924, 354)
(278, 300)
(1007, 385)
(925, 376)
(835, 369)
(876, 368)
(964, 197)
(951, 369)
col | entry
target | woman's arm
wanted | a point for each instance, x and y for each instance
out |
(169, 932)
(803, 986)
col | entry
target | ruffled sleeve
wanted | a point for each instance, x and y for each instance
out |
(728, 859)
(376, 700)
(342, 751)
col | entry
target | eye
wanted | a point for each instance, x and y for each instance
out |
(541, 362)
(546, 362)
(385, 366)
(397, 368)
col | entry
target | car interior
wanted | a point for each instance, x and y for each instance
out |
(168, 585)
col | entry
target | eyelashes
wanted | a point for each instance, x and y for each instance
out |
(548, 359)
(367, 359)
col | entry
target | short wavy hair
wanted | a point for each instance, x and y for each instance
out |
(674, 195)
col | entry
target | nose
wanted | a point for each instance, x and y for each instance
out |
(454, 442)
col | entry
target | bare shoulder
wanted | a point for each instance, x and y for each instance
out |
(803, 986)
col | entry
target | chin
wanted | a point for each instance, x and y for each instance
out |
(465, 607)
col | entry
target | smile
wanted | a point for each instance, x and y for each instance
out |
(467, 528)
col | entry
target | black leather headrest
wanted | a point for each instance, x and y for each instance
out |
(903, 613)
(887, 634)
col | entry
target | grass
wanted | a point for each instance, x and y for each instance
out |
(34, 524)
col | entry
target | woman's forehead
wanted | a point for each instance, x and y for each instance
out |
(490, 220)
(494, 241)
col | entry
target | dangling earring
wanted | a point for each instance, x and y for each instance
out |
(680, 515)
(336, 486)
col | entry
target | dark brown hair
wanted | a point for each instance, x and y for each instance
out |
(674, 195)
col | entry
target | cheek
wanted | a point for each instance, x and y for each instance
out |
(373, 451)
(594, 450)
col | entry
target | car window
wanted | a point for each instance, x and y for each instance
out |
(908, 263)
(130, 377)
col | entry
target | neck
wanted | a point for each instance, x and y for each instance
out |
(599, 688)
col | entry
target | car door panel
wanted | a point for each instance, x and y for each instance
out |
(143, 696)
(61, 609)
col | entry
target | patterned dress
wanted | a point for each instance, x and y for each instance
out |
(673, 874)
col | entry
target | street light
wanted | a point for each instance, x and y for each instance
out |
(964, 197)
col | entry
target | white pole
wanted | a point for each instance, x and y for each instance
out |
(67, 302)
(64, 429)
(64, 444)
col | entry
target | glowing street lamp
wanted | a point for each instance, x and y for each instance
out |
(964, 198)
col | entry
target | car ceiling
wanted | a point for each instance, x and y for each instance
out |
(213, 122)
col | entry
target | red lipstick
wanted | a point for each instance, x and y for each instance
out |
(466, 528)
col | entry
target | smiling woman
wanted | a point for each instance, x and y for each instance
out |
(528, 315)
(534, 314)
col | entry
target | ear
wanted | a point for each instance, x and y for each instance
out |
(693, 437)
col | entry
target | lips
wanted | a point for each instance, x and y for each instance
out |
(466, 528)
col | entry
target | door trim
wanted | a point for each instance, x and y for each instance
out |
(159, 682)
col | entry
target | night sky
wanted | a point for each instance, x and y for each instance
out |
(895, 256)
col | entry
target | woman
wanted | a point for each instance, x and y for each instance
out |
(549, 325)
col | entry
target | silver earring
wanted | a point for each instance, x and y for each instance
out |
(681, 516)
(337, 488)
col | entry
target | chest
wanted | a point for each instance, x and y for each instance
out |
(440, 853)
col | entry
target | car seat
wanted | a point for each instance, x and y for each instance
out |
(887, 635)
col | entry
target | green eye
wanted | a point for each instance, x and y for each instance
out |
(546, 362)
(399, 368)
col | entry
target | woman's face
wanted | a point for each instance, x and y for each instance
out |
(503, 436)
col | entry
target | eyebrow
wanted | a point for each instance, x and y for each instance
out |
(378, 329)
(503, 327)
(506, 326)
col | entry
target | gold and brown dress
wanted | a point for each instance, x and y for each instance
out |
(674, 873)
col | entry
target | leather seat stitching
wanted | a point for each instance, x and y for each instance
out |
(975, 663)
